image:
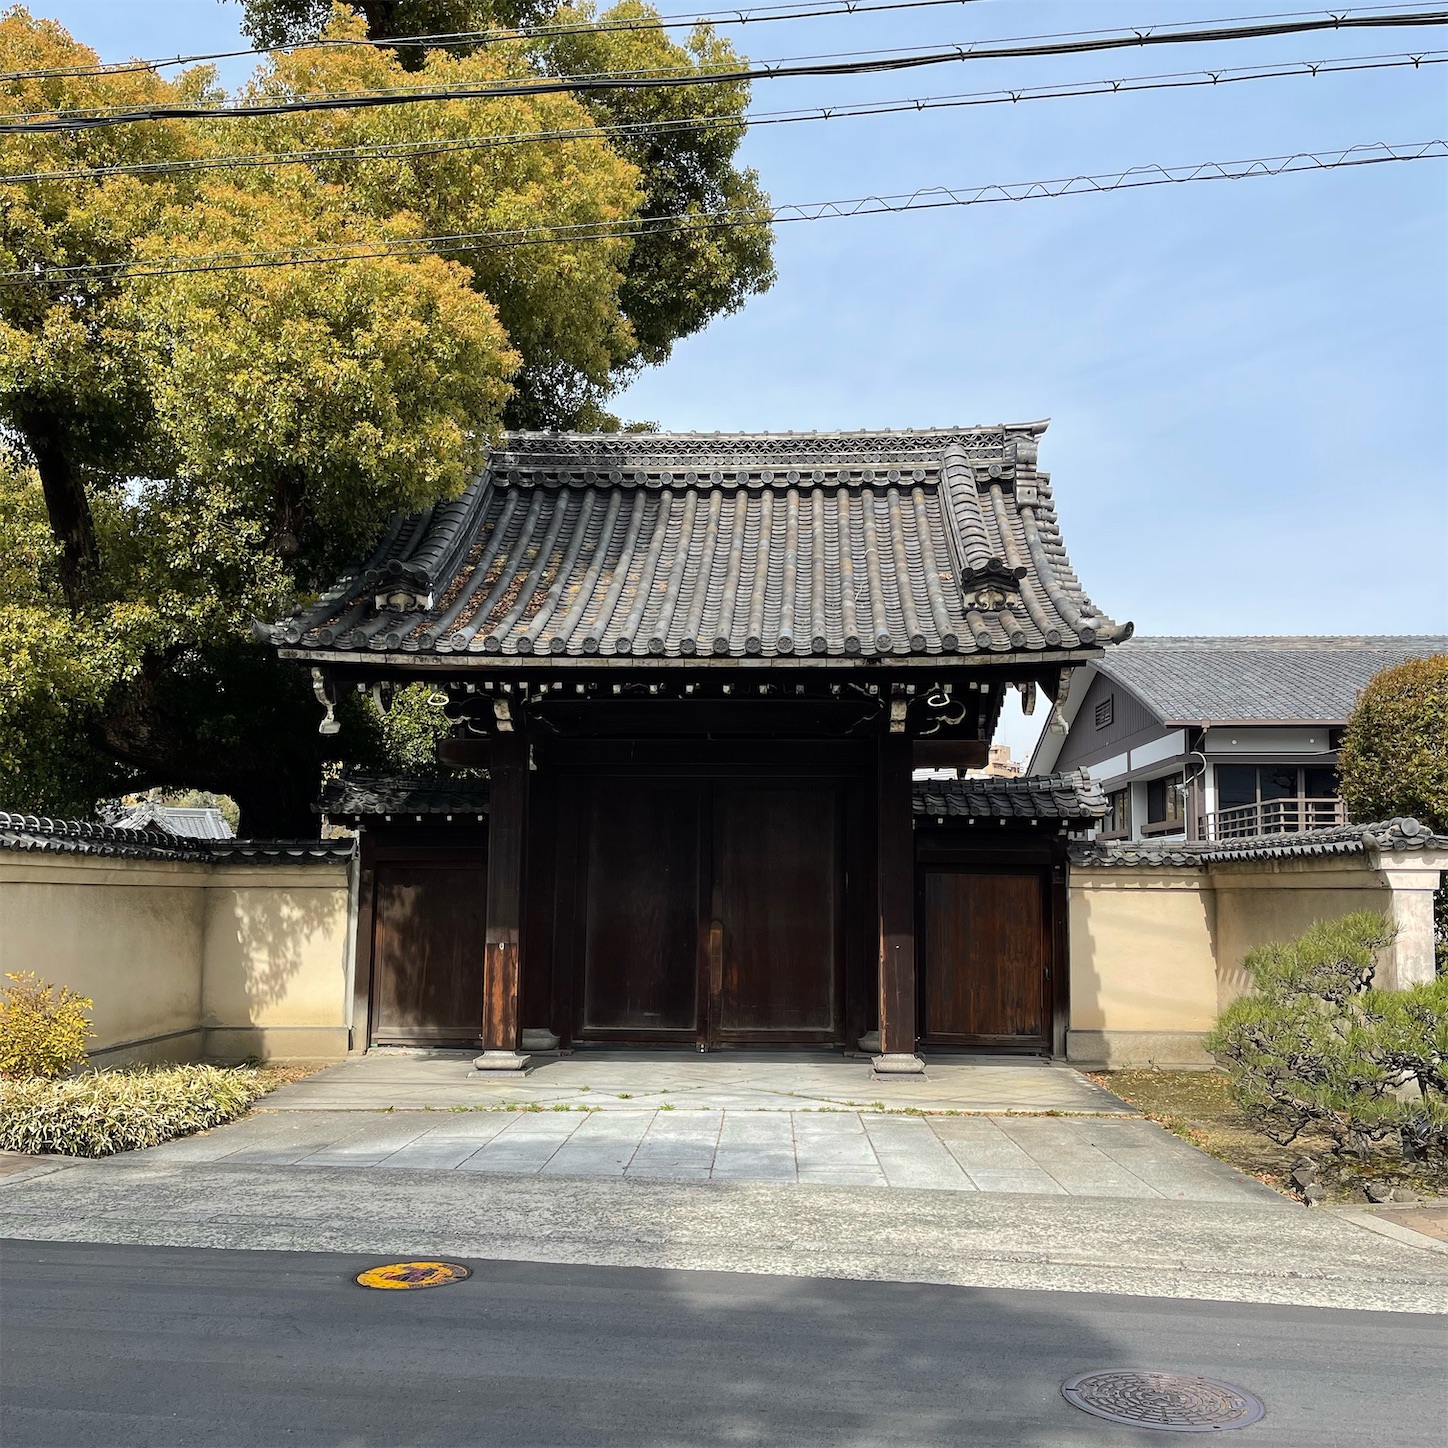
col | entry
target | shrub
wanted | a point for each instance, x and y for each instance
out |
(104, 1112)
(1317, 1049)
(1394, 758)
(43, 1029)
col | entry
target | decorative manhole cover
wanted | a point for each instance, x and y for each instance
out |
(1169, 1401)
(395, 1276)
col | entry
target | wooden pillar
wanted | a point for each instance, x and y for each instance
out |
(895, 903)
(507, 841)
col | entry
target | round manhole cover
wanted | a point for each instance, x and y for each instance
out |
(399, 1276)
(1169, 1401)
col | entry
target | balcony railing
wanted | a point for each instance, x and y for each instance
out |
(1273, 817)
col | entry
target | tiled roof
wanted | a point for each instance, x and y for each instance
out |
(192, 823)
(356, 796)
(76, 837)
(1240, 680)
(1071, 796)
(1045, 796)
(679, 545)
(1389, 836)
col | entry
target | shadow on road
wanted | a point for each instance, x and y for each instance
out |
(113, 1345)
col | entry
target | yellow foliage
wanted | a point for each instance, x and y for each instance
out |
(43, 1028)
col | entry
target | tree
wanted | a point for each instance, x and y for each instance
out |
(196, 447)
(1394, 758)
(675, 281)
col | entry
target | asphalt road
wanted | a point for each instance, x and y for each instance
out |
(122, 1345)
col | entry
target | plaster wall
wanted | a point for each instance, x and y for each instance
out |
(1143, 968)
(1263, 900)
(1156, 953)
(185, 959)
(274, 961)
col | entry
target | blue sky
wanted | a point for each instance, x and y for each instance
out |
(1246, 381)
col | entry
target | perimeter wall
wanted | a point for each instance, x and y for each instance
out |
(186, 959)
(1156, 950)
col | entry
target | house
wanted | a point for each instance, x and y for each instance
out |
(701, 672)
(1212, 739)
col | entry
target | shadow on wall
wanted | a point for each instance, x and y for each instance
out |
(276, 953)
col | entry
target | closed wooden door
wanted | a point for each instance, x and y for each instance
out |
(985, 956)
(429, 923)
(778, 896)
(710, 912)
(641, 938)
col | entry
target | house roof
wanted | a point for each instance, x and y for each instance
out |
(1389, 836)
(201, 823)
(40, 834)
(686, 545)
(1258, 680)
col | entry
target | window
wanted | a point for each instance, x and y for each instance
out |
(1166, 803)
(1104, 711)
(1118, 813)
(1271, 799)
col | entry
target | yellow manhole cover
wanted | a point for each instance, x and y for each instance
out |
(402, 1275)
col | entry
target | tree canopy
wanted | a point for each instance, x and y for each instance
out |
(1394, 758)
(192, 447)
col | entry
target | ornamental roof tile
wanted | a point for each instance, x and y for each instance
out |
(1241, 680)
(683, 545)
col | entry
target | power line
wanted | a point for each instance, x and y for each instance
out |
(407, 150)
(735, 16)
(924, 199)
(746, 15)
(821, 66)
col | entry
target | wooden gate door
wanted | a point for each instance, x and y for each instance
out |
(711, 911)
(641, 935)
(985, 953)
(427, 951)
(775, 964)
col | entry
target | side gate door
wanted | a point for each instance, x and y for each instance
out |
(985, 952)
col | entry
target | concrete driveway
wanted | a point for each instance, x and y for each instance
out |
(971, 1125)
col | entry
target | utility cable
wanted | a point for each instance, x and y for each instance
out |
(69, 122)
(746, 15)
(408, 150)
(923, 199)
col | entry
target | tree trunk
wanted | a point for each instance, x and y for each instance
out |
(71, 522)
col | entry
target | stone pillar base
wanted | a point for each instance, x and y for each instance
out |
(500, 1061)
(899, 1063)
(539, 1040)
(869, 1043)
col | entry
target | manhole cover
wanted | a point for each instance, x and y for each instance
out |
(403, 1275)
(1169, 1401)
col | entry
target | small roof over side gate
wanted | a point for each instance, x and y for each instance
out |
(680, 546)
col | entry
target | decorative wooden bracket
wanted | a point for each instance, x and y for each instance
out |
(327, 698)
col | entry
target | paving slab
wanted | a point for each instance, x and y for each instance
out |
(613, 1080)
(911, 1155)
(1082, 1156)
